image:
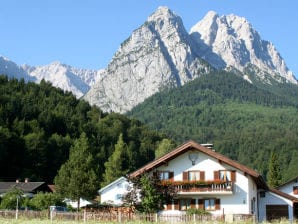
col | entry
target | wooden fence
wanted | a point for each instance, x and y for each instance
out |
(120, 217)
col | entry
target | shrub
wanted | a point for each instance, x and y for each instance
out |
(197, 211)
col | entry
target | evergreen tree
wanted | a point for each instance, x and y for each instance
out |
(117, 164)
(164, 147)
(274, 173)
(77, 177)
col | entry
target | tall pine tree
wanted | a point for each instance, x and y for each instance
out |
(77, 177)
(117, 164)
(274, 173)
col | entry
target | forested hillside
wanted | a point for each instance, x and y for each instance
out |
(243, 121)
(39, 124)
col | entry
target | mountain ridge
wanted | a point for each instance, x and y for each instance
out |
(162, 54)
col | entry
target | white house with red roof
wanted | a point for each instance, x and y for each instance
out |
(208, 180)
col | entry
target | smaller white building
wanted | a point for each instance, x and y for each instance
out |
(112, 194)
(290, 187)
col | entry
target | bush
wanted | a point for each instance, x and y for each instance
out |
(197, 211)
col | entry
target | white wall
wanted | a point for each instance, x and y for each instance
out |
(114, 193)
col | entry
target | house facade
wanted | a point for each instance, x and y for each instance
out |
(113, 193)
(290, 187)
(205, 179)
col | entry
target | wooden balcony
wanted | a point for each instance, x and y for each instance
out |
(216, 187)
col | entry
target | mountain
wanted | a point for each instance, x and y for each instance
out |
(11, 69)
(243, 121)
(239, 46)
(159, 54)
(77, 81)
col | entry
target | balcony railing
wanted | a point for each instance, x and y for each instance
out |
(202, 187)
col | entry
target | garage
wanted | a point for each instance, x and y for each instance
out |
(277, 212)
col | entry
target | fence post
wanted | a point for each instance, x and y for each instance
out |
(156, 217)
(119, 217)
(194, 218)
(85, 215)
(51, 215)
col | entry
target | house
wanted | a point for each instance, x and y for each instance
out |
(290, 187)
(274, 204)
(113, 193)
(208, 180)
(29, 188)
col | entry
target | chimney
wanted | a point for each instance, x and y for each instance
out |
(209, 146)
(26, 180)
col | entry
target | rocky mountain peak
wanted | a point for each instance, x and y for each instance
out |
(238, 44)
(158, 54)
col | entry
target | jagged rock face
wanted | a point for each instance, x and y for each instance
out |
(158, 54)
(235, 41)
(77, 81)
(12, 70)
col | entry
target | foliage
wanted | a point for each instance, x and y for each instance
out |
(76, 178)
(164, 147)
(274, 174)
(244, 122)
(42, 201)
(116, 166)
(12, 199)
(39, 124)
(148, 194)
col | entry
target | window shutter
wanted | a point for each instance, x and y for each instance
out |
(233, 176)
(217, 204)
(216, 175)
(201, 203)
(171, 175)
(193, 203)
(185, 176)
(202, 175)
(176, 204)
(295, 190)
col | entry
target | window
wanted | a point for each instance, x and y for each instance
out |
(209, 204)
(262, 194)
(184, 204)
(118, 197)
(295, 190)
(225, 175)
(165, 175)
(194, 175)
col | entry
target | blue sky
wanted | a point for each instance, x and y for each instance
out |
(86, 33)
